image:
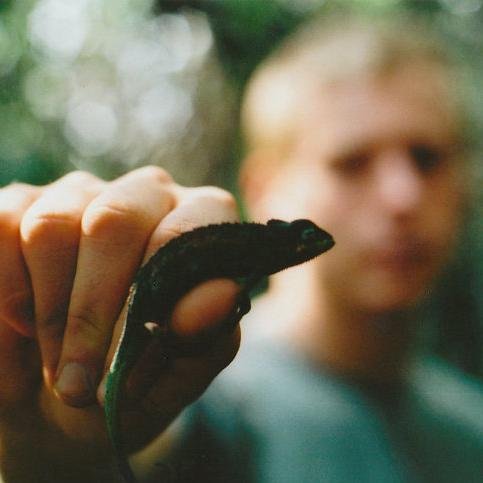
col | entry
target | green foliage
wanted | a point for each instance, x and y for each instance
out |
(245, 31)
(30, 150)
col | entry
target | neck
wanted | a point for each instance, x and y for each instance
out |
(363, 346)
(367, 347)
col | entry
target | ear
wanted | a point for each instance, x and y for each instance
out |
(257, 175)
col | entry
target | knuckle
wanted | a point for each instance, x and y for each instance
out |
(14, 199)
(51, 327)
(39, 224)
(54, 321)
(218, 195)
(18, 187)
(173, 230)
(79, 177)
(156, 173)
(84, 326)
(228, 200)
(9, 223)
(101, 220)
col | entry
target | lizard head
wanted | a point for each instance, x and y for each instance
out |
(299, 240)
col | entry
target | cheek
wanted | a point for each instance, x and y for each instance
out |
(341, 275)
(444, 211)
(442, 226)
(338, 209)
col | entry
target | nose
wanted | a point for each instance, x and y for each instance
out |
(399, 184)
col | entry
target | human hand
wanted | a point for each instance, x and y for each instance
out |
(68, 253)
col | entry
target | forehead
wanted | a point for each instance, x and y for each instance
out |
(411, 104)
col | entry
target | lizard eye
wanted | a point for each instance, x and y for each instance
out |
(304, 229)
(309, 234)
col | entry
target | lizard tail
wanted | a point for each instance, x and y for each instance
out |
(113, 423)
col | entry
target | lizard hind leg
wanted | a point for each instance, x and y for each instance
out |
(160, 336)
(243, 303)
(241, 308)
(154, 328)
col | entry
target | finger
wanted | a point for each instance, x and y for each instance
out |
(169, 391)
(194, 207)
(114, 231)
(16, 302)
(196, 315)
(50, 232)
(187, 380)
(189, 377)
(204, 308)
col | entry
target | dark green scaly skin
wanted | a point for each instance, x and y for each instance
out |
(241, 251)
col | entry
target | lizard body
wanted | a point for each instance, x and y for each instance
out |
(246, 251)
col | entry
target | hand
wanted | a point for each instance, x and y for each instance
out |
(68, 254)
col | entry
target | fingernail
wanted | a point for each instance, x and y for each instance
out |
(74, 385)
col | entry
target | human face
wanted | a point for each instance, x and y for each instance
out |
(375, 163)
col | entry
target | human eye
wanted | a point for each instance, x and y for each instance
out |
(426, 157)
(350, 164)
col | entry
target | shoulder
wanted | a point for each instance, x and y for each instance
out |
(449, 394)
(444, 421)
(295, 423)
(269, 384)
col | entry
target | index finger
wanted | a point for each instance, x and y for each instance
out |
(16, 300)
(115, 228)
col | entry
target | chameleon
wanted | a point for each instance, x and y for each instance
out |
(246, 252)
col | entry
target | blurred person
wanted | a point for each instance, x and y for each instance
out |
(355, 127)
(360, 129)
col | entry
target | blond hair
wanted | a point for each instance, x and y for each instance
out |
(326, 51)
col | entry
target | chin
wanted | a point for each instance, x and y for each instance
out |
(390, 305)
(392, 296)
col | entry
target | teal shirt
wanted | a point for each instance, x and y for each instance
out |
(272, 418)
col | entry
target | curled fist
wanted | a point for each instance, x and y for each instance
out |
(68, 254)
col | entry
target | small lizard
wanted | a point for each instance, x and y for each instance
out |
(240, 251)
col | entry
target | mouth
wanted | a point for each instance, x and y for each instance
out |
(401, 257)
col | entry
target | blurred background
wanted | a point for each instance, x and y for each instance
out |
(109, 85)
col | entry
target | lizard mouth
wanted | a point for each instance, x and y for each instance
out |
(315, 248)
(318, 246)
